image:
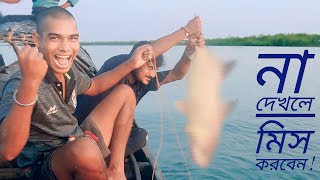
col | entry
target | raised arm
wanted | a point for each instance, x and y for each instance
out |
(163, 44)
(108, 79)
(14, 130)
(183, 65)
(69, 3)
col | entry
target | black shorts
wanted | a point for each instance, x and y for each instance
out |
(137, 140)
(42, 170)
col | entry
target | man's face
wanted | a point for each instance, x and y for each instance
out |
(145, 73)
(59, 43)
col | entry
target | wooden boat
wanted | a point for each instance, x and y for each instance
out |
(139, 165)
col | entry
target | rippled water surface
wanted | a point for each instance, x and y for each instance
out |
(236, 155)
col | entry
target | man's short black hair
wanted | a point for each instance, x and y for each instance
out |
(56, 12)
(159, 59)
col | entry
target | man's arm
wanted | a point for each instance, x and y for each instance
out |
(10, 1)
(183, 65)
(108, 79)
(14, 130)
(69, 3)
(163, 44)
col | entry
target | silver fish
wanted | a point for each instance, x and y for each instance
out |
(204, 108)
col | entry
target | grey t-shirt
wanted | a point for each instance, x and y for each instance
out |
(52, 120)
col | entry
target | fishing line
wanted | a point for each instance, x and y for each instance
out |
(161, 135)
(176, 82)
(161, 120)
(181, 152)
(178, 141)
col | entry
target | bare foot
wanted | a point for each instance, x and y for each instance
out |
(115, 174)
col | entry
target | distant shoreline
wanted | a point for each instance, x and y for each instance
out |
(291, 40)
(281, 40)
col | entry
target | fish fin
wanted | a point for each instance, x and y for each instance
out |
(181, 106)
(228, 67)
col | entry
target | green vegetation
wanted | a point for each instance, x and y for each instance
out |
(268, 40)
(261, 40)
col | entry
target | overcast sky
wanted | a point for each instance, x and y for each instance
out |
(105, 20)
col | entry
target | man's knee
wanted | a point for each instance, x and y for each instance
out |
(86, 150)
(126, 91)
(82, 153)
(77, 158)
